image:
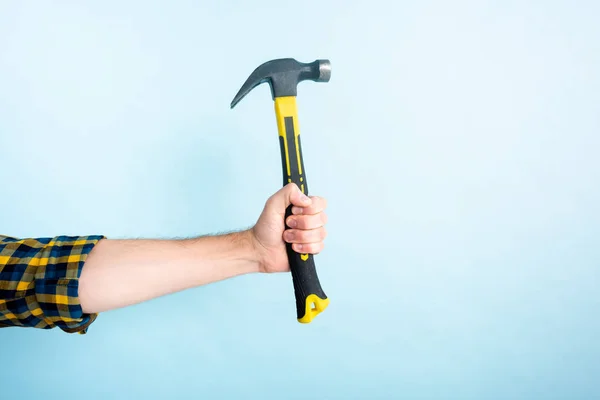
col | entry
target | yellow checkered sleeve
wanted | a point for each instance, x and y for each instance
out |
(39, 282)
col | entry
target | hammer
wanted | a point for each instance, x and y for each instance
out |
(283, 76)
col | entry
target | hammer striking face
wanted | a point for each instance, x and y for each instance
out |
(283, 76)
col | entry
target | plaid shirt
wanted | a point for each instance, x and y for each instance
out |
(39, 282)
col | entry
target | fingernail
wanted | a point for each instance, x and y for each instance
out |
(304, 198)
(298, 247)
(289, 235)
(292, 223)
(297, 210)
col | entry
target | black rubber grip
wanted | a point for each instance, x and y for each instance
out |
(304, 274)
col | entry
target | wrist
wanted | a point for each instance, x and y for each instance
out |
(258, 249)
(249, 253)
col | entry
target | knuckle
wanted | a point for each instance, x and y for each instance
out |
(311, 222)
(316, 200)
(317, 235)
(324, 218)
(316, 248)
(323, 202)
(304, 237)
(319, 221)
(323, 233)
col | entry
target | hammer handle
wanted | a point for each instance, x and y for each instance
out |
(310, 298)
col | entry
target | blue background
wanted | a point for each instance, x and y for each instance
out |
(457, 144)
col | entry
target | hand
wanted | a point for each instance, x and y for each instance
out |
(306, 233)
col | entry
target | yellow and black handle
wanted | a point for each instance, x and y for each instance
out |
(310, 297)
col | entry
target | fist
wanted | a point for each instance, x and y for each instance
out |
(304, 229)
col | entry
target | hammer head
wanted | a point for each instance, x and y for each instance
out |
(283, 75)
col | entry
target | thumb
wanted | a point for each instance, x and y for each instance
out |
(290, 194)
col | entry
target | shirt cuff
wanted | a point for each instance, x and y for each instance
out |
(44, 277)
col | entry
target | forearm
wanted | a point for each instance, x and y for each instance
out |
(120, 273)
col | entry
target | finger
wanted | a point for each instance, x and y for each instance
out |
(290, 194)
(297, 198)
(307, 221)
(305, 236)
(317, 205)
(308, 248)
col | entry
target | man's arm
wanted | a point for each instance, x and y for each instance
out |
(119, 273)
